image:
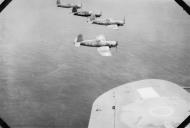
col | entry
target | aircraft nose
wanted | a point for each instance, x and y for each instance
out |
(121, 24)
(116, 43)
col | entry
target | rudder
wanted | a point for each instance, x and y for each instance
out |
(74, 9)
(79, 38)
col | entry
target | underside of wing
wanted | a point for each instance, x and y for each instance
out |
(104, 51)
(113, 26)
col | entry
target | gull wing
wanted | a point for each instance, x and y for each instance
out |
(113, 26)
(104, 51)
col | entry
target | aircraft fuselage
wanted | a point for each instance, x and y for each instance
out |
(108, 23)
(85, 14)
(68, 6)
(96, 43)
(101, 21)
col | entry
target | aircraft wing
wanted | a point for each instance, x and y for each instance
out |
(101, 38)
(113, 26)
(104, 51)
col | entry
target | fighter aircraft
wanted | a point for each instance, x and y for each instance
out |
(103, 46)
(85, 13)
(111, 23)
(70, 5)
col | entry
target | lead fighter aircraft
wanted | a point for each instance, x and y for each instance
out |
(103, 46)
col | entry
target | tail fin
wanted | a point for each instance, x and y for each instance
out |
(78, 40)
(58, 2)
(124, 20)
(74, 9)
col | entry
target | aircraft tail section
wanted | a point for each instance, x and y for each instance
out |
(58, 2)
(74, 9)
(124, 20)
(78, 40)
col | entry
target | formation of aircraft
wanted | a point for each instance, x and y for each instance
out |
(94, 17)
(107, 22)
(103, 45)
(69, 5)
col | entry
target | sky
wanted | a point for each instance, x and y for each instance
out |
(47, 82)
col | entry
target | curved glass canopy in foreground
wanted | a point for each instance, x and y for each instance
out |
(150, 103)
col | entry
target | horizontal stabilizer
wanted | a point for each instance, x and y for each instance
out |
(104, 51)
(77, 44)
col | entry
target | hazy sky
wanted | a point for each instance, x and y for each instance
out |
(46, 81)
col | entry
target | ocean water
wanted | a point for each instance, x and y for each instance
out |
(47, 82)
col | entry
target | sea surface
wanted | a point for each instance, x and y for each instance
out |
(45, 81)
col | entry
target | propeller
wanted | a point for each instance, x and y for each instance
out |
(116, 47)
